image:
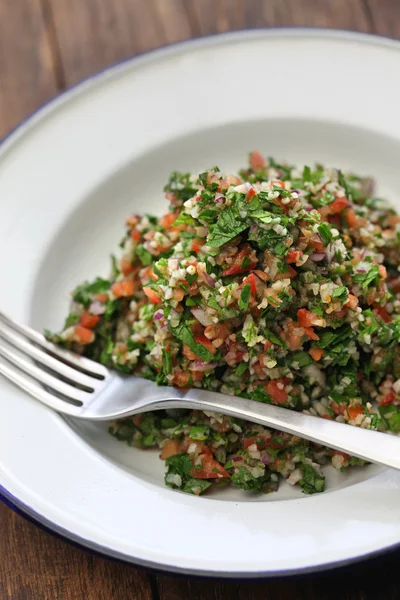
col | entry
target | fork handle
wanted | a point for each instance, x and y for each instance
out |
(373, 446)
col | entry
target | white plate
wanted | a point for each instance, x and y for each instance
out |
(68, 176)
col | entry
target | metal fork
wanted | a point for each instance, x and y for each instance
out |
(81, 388)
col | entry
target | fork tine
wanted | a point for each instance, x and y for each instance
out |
(34, 389)
(22, 344)
(91, 367)
(40, 375)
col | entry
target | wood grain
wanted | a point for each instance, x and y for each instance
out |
(102, 32)
(215, 16)
(35, 565)
(385, 16)
(46, 45)
(26, 63)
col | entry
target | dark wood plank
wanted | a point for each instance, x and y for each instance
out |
(214, 16)
(35, 565)
(26, 62)
(96, 33)
(385, 16)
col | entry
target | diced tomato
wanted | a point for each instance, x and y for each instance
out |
(196, 446)
(309, 319)
(316, 353)
(88, 320)
(181, 379)
(261, 274)
(137, 420)
(256, 160)
(167, 220)
(338, 205)
(135, 235)
(384, 315)
(203, 341)
(352, 301)
(351, 218)
(292, 334)
(188, 353)
(382, 272)
(338, 409)
(236, 267)
(276, 389)
(293, 256)
(197, 244)
(126, 266)
(208, 468)
(152, 295)
(335, 221)
(251, 279)
(310, 333)
(217, 330)
(170, 448)
(262, 441)
(278, 183)
(290, 273)
(124, 288)
(387, 399)
(102, 298)
(83, 335)
(252, 192)
(267, 345)
(354, 411)
(197, 375)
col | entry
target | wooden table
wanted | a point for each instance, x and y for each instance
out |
(46, 46)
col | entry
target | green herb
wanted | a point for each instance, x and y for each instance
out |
(274, 338)
(311, 482)
(143, 255)
(196, 486)
(325, 233)
(302, 358)
(191, 279)
(245, 297)
(240, 369)
(199, 432)
(72, 319)
(227, 227)
(246, 262)
(183, 333)
(306, 173)
(83, 293)
(340, 293)
(391, 417)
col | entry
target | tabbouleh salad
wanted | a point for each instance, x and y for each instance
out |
(277, 284)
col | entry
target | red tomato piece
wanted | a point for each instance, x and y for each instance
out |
(209, 468)
(89, 321)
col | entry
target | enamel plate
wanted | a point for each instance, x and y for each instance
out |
(70, 174)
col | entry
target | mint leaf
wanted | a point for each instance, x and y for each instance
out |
(227, 227)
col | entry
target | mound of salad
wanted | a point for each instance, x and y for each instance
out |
(276, 284)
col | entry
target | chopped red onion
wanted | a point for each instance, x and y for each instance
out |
(150, 248)
(308, 208)
(237, 459)
(158, 315)
(219, 198)
(173, 264)
(266, 459)
(201, 315)
(361, 271)
(199, 365)
(97, 308)
(317, 256)
(209, 280)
